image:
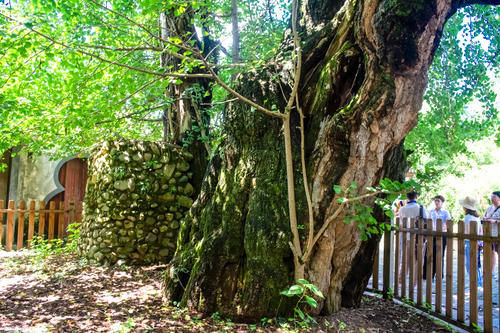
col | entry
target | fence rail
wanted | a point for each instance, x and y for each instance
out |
(409, 249)
(47, 220)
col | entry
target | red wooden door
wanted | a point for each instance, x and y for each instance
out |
(73, 177)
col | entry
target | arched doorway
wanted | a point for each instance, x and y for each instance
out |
(72, 177)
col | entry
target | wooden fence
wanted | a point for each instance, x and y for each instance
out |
(51, 222)
(402, 267)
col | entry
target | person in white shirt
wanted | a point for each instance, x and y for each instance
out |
(492, 214)
(438, 213)
(469, 206)
(411, 210)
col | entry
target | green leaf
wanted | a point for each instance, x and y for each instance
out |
(300, 313)
(304, 282)
(316, 291)
(311, 301)
(293, 290)
(337, 189)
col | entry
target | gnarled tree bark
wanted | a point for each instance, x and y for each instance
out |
(364, 75)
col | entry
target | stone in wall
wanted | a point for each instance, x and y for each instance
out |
(137, 193)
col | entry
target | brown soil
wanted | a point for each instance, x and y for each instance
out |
(61, 294)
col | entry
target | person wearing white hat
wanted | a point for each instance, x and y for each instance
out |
(471, 214)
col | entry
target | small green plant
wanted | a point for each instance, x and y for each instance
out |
(341, 324)
(361, 214)
(389, 294)
(266, 321)
(119, 172)
(427, 307)
(144, 186)
(327, 324)
(127, 327)
(151, 164)
(301, 290)
(217, 318)
(476, 328)
(73, 237)
(408, 301)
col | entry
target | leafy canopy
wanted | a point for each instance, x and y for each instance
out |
(461, 93)
(73, 73)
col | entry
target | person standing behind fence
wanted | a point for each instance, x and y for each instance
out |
(411, 210)
(438, 213)
(492, 214)
(469, 206)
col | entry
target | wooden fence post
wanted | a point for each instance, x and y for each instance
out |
(439, 267)
(428, 268)
(487, 290)
(387, 262)
(31, 226)
(404, 259)
(1, 222)
(52, 217)
(61, 224)
(41, 220)
(449, 268)
(397, 256)
(420, 250)
(10, 227)
(20, 225)
(413, 261)
(473, 269)
(461, 274)
(375, 270)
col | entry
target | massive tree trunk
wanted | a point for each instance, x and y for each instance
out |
(189, 97)
(364, 74)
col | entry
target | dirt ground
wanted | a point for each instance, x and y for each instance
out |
(62, 294)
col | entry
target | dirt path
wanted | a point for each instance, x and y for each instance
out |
(61, 294)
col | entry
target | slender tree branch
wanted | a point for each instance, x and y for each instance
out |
(12, 44)
(291, 195)
(178, 75)
(298, 260)
(130, 115)
(336, 214)
(140, 26)
(205, 62)
(310, 236)
(219, 103)
(149, 120)
(144, 86)
(298, 61)
(123, 49)
(238, 95)
(26, 62)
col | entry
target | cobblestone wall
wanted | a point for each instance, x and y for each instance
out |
(137, 193)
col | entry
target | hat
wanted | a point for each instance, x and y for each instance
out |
(468, 202)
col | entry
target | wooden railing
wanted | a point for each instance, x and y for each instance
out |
(47, 220)
(402, 271)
